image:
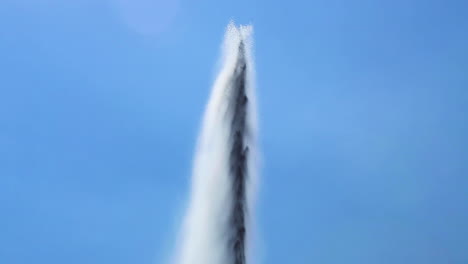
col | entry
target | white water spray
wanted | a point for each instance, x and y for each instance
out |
(218, 224)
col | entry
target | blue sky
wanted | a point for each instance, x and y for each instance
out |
(363, 114)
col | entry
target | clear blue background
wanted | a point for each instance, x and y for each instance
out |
(363, 112)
